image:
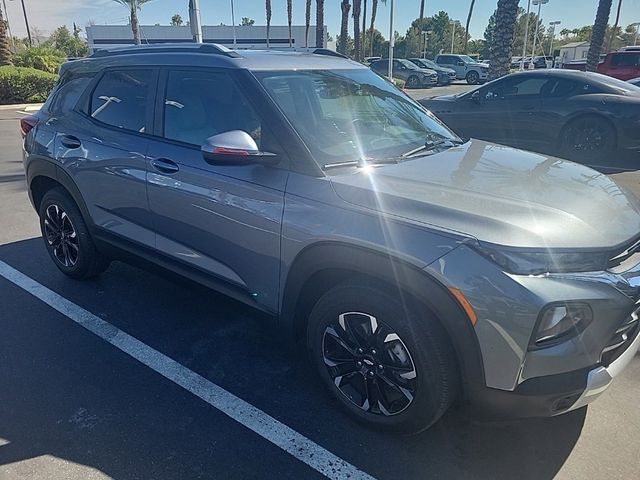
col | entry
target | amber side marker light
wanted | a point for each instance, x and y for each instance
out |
(464, 303)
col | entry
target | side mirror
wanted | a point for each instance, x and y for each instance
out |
(461, 64)
(235, 147)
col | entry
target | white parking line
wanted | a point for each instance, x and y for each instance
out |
(251, 417)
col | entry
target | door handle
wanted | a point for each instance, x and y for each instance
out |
(165, 165)
(70, 141)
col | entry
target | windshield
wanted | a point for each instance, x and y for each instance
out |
(467, 59)
(429, 64)
(350, 115)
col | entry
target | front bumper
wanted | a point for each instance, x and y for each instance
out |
(551, 395)
(600, 378)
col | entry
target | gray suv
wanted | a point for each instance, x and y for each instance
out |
(418, 270)
(466, 68)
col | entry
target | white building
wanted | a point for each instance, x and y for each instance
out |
(254, 37)
(573, 51)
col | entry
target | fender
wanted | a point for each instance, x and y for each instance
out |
(411, 279)
(39, 167)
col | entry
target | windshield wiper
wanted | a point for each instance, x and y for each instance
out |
(429, 146)
(360, 163)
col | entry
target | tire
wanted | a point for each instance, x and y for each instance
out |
(413, 82)
(588, 139)
(428, 372)
(67, 238)
(473, 77)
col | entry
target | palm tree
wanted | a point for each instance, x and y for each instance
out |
(466, 29)
(615, 27)
(421, 27)
(374, 14)
(364, 28)
(344, 26)
(289, 13)
(597, 35)
(5, 51)
(319, 23)
(307, 23)
(268, 9)
(503, 37)
(134, 6)
(356, 28)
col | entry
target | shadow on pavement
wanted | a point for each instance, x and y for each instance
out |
(84, 401)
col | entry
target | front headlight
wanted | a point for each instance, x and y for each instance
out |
(527, 261)
(560, 321)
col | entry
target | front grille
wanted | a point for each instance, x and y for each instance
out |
(622, 338)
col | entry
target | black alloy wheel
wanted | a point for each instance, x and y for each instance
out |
(369, 363)
(588, 138)
(413, 82)
(61, 235)
(473, 77)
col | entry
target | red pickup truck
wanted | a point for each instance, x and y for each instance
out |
(623, 65)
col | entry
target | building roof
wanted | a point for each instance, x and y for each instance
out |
(575, 44)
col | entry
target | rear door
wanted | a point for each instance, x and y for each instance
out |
(223, 220)
(102, 145)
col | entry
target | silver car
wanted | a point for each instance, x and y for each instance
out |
(413, 75)
(418, 270)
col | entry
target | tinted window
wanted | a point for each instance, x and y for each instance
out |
(69, 92)
(626, 60)
(120, 99)
(201, 104)
(445, 59)
(563, 88)
(514, 88)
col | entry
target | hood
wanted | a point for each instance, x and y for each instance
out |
(500, 195)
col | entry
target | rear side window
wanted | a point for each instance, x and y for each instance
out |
(120, 99)
(69, 92)
(626, 60)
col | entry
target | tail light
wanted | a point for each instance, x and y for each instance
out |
(27, 123)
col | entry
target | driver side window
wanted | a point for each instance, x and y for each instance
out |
(200, 104)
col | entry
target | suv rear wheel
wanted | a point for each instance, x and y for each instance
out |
(67, 237)
(390, 366)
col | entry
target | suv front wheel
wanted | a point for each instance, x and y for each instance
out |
(391, 366)
(67, 237)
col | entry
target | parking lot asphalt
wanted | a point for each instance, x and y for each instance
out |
(75, 406)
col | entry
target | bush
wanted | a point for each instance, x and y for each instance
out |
(25, 85)
(45, 58)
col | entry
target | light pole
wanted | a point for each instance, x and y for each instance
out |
(553, 35)
(535, 35)
(425, 37)
(233, 22)
(453, 34)
(26, 22)
(526, 37)
(194, 17)
(391, 40)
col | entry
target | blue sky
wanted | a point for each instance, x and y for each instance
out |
(48, 14)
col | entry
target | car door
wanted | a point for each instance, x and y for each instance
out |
(102, 145)
(449, 61)
(223, 220)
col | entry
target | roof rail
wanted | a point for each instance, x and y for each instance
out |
(187, 47)
(328, 52)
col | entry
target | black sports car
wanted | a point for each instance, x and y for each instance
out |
(585, 117)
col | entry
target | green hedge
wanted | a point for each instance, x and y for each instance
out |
(25, 85)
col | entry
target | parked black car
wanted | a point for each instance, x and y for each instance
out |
(445, 75)
(585, 117)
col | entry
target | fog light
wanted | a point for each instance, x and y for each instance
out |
(562, 320)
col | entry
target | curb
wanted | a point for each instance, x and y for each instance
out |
(27, 107)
